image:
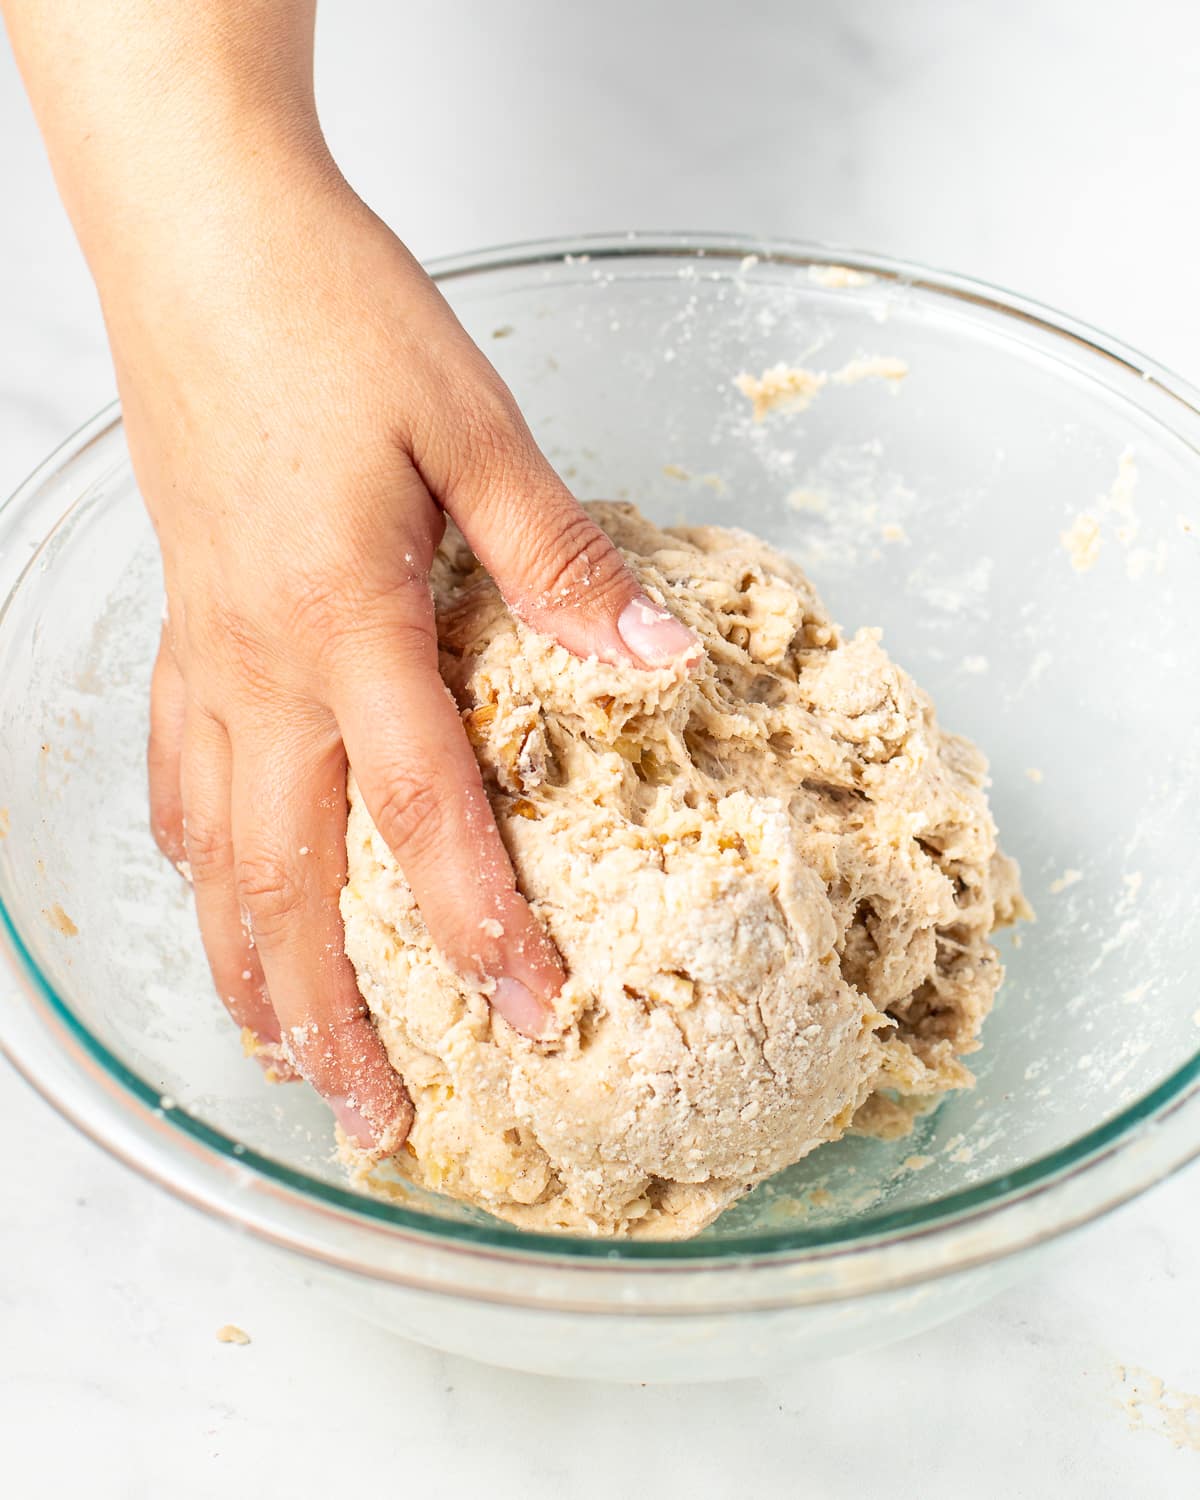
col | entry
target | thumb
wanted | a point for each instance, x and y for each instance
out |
(556, 568)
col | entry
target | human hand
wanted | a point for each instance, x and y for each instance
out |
(301, 408)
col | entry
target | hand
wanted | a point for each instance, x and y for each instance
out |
(301, 408)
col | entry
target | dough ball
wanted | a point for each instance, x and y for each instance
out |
(772, 881)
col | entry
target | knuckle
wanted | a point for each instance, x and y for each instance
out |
(268, 889)
(231, 628)
(318, 610)
(573, 563)
(412, 639)
(400, 628)
(266, 649)
(348, 636)
(208, 847)
(410, 816)
(240, 648)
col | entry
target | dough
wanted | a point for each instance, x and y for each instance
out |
(772, 882)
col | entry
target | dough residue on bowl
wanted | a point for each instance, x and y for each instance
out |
(772, 880)
(792, 388)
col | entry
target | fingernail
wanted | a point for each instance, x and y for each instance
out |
(353, 1123)
(654, 634)
(521, 1008)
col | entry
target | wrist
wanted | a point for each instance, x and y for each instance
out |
(194, 207)
(163, 122)
(198, 257)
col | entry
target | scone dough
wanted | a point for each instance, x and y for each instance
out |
(772, 880)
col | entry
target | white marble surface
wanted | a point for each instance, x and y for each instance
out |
(1049, 148)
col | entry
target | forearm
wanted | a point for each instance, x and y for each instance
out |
(161, 120)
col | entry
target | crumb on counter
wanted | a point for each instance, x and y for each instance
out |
(230, 1333)
(1150, 1405)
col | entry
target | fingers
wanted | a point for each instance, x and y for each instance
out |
(289, 831)
(421, 783)
(168, 708)
(555, 567)
(206, 775)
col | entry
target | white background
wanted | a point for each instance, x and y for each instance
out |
(1050, 147)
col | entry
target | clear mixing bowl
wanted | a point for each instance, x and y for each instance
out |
(935, 507)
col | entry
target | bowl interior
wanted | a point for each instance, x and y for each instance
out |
(934, 506)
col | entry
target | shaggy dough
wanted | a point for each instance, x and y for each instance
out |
(772, 881)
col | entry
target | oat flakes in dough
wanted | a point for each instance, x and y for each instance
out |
(773, 883)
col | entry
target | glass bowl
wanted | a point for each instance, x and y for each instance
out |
(944, 507)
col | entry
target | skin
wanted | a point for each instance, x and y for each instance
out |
(303, 411)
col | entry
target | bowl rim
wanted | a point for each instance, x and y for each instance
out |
(958, 1210)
